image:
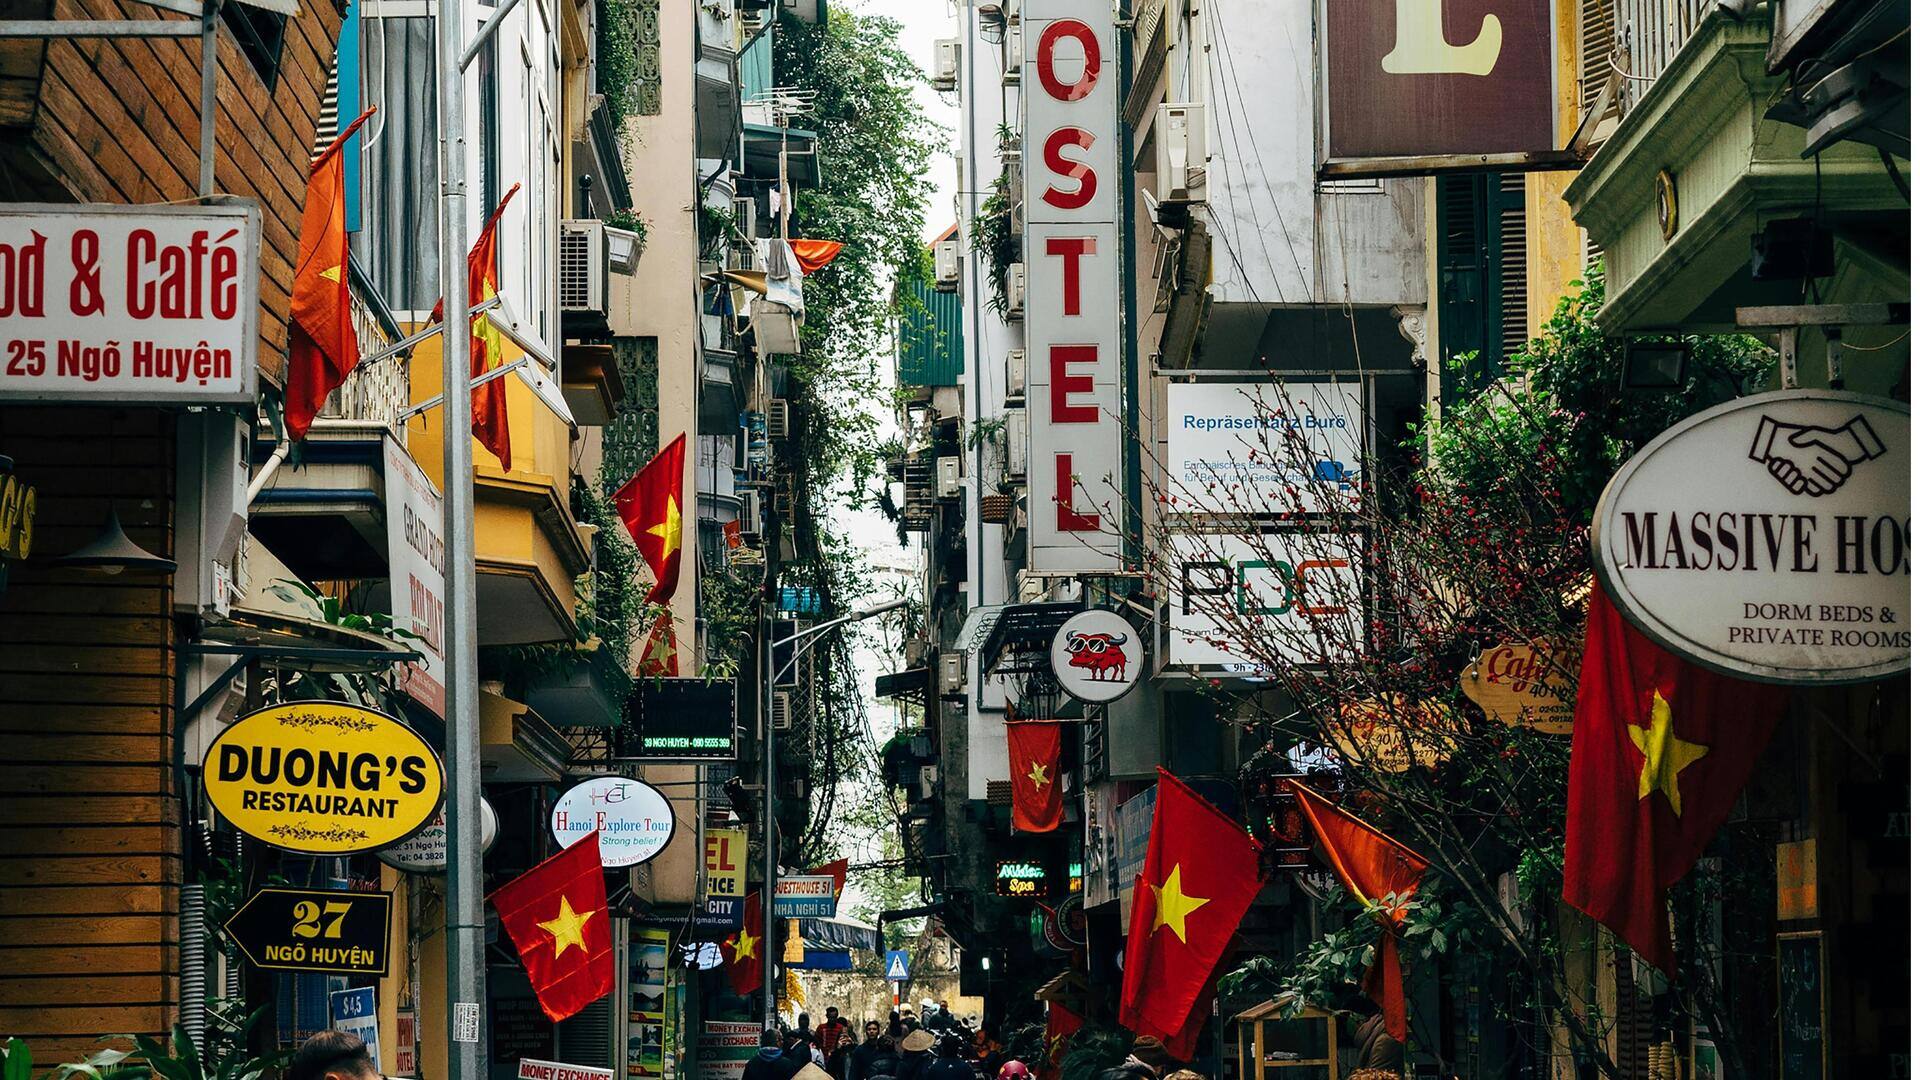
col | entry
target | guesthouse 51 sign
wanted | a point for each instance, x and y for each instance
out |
(1769, 538)
(157, 305)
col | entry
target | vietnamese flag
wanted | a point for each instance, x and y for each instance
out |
(742, 949)
(1201, 873)
(321, 345)
(1661, 749)
(660, 656)
(489, 348)
(1033, 750)
(649, 504)
(814, 254)
(556, 915)
(1062, 1022)
(837, 870)
(1373, 866)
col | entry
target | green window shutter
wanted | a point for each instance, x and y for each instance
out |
(1483, 281)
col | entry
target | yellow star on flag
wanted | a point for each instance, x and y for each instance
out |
(669, 530)
(331, 273)
(1665, 754)
(1039, 775)
(567, 927)
(1171, 906)
(661, 651)
(745, 946)
(489, 335)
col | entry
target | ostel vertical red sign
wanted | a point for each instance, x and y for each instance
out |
(1070, 93)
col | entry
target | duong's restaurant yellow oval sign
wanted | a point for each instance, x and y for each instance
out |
(323, 778)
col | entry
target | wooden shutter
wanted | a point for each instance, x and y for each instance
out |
(1510, 221)
(1596, 48)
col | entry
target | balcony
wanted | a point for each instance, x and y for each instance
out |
(590, 381)
(1696, 169)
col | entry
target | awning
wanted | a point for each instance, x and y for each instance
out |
(840, 934)
(1069, 988)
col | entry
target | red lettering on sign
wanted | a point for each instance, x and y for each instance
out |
(1090, 63)
(1066, 518)
(1070, 248)
(1085, 182)
(1062, 384)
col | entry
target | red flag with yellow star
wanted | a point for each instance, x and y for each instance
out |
(1373, 866)
(488, 346)
(1201, 873)
(1062, 1022)
(649, 504)
(1661, 749)
(556, 914)
(660, 656)
(1034, 764)
(742, 950)
(322, 347)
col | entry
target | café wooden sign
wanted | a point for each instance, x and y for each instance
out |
(1524, 684)
(1393, 734)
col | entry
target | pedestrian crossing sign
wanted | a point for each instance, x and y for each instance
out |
(896, 965)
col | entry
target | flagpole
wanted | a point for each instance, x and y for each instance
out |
(466, 991)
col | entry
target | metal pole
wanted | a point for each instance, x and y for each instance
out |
(466, 990)
(209, 79)
(769, 831)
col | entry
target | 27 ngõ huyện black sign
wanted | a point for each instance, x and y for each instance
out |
(1769, 538)
(314, 930)
(323, 778)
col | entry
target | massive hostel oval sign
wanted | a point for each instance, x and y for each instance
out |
(1769, 538)
(323, 778)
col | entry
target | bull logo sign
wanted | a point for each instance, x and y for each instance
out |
(1097, 656)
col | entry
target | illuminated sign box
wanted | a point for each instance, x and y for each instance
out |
(1021, 879)
(679, 720)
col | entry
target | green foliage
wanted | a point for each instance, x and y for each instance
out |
(617, 57)
(994, 241)
(728, 597)
(371, 690)
(874, 146)
(629, 219)
(717, 228)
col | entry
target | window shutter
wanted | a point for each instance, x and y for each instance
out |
(1511, 222)
(1596, 49)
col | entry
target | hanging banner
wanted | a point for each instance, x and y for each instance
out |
(148, 305)
(1071, 164)
(1256, 447)
(323, 778)
(416, 574)
(1296, 593)
(1769, 538)
(1467, 80)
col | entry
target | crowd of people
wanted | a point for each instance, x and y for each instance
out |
(928, 1044)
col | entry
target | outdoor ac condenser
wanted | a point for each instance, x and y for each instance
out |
(583, 268)
(946, 265)
(1181, 157)
(1016, 376)
(946, 63)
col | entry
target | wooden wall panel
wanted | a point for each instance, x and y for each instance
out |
(90, 861)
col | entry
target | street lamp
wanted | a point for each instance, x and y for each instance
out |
(770, 847)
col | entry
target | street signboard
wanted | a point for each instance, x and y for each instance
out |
(1526, 684)
(1022, 879)
(807, 896)
(425, 852)
(150, 305)
(1096, 656)
(354, 1012)
(416, 574)
(314, 930)
(897, 966)
(727, 863)
(535, 1069)
(634, 820)
(1769, 538)
(323, 778)
(718, 913)
(725, 1048)
(1257, 447)
(690, 719)
(1288, 589)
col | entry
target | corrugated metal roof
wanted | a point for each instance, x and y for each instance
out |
(932, 350)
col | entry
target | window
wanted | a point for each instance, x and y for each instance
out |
(1483, 277)
(260, 34)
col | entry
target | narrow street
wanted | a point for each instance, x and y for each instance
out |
(957, 540)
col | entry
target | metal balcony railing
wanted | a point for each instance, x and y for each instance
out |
(1647, 35)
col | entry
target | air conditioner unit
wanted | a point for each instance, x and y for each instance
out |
(778, 419)
(929, 782)
(953, 673)
(946, 265)
(750, 516)
(946, 478)
(1010, 73)
(1016, 376)
(583, 268)
(210, 515)
(780, 716)
(1016, 444)
(1181, 153)
(946, 63)
(746, 217)
(1016, 290)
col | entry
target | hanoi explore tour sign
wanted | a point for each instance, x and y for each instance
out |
(1769, 538)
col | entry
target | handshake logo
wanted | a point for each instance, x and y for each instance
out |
(1811, 460)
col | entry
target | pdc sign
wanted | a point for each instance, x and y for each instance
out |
(1071, 167)
(1286, 589)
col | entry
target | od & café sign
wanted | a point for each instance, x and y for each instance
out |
(1769, 538)
(323, 778)
(155, 305)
